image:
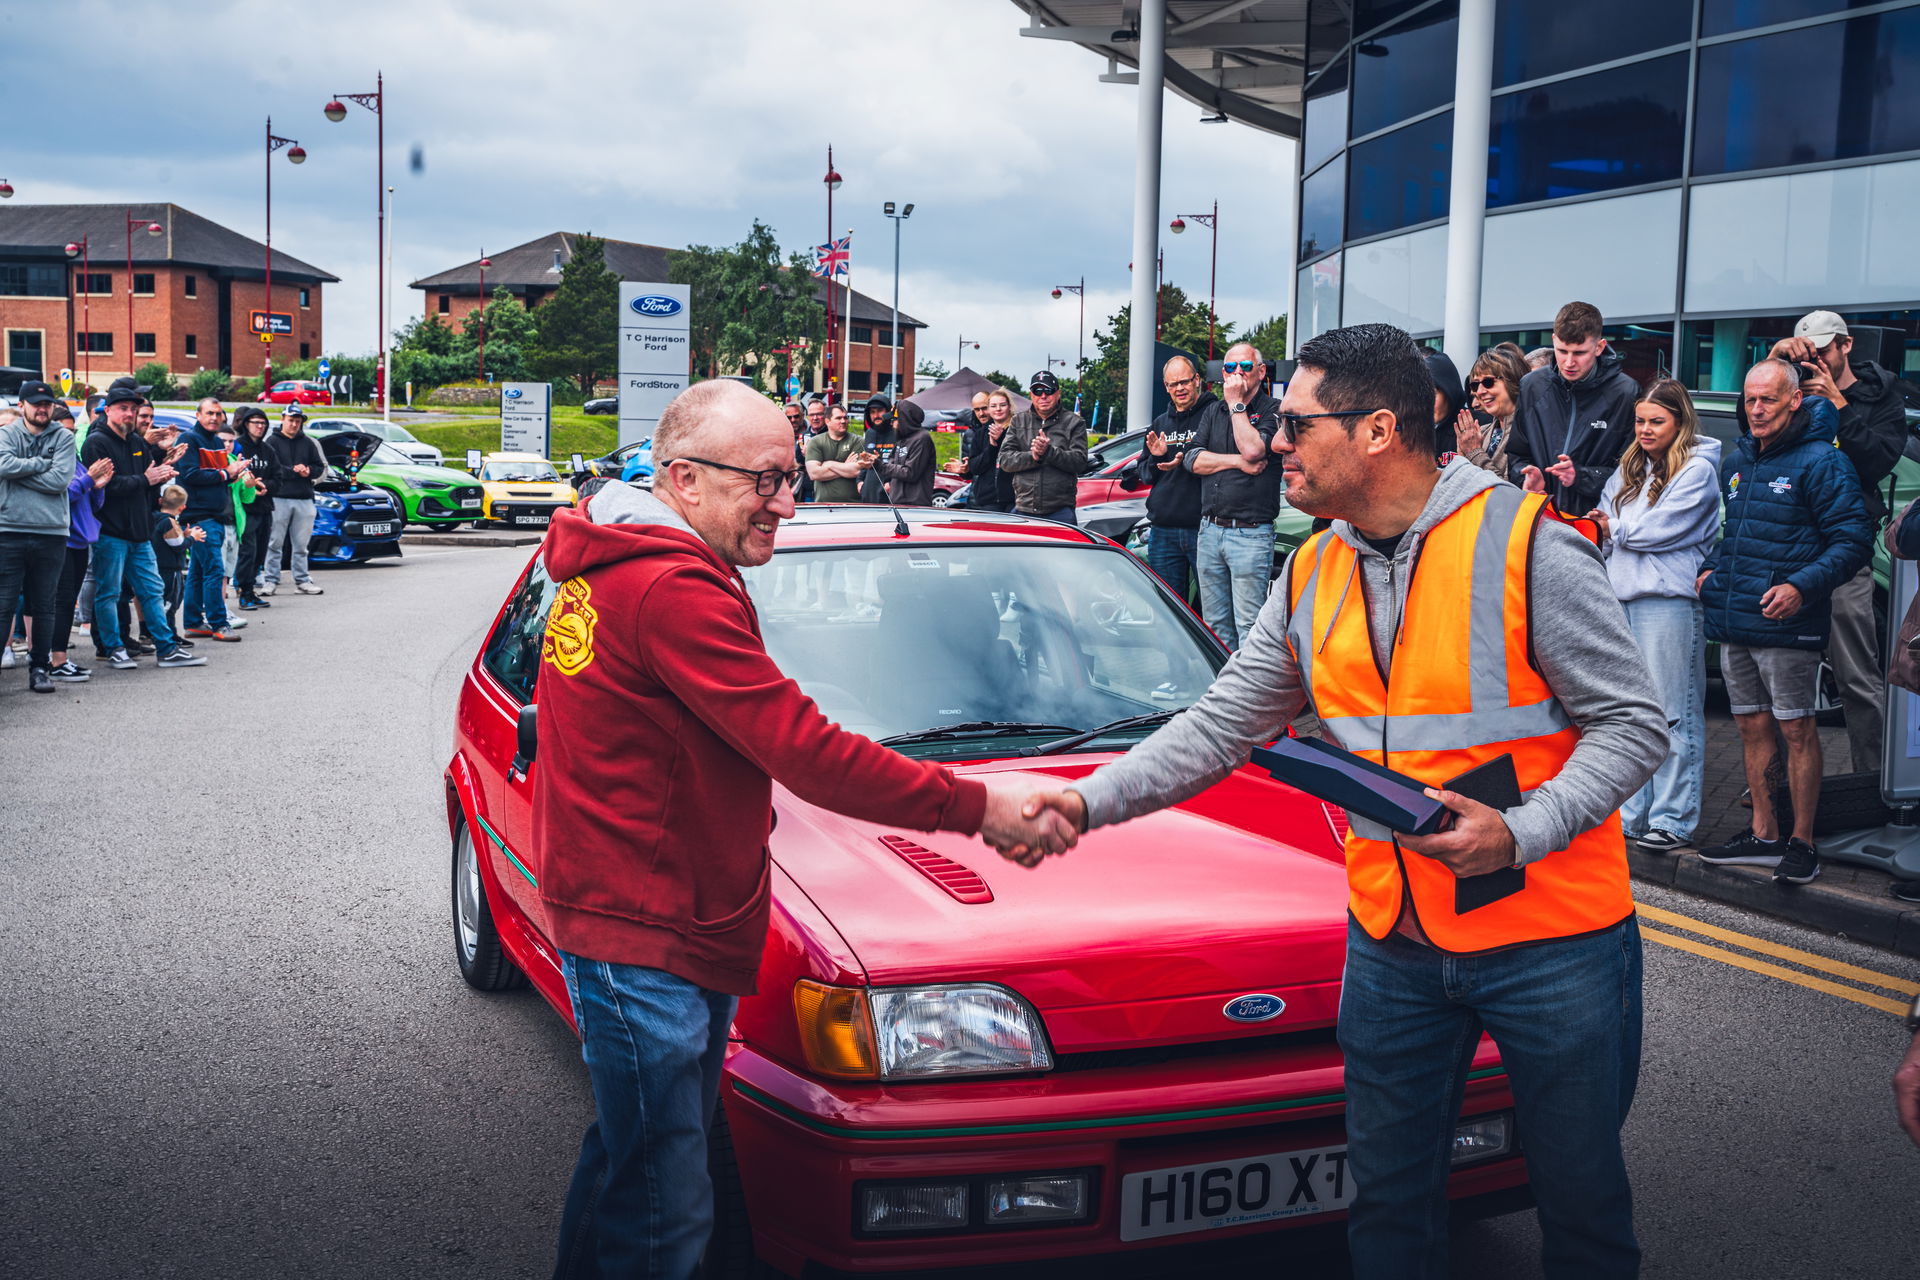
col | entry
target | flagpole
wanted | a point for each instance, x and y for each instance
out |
(846, 324)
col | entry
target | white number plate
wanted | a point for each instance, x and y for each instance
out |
(375, 530)
(1233, 1193)
(469, 502)
(530, 519)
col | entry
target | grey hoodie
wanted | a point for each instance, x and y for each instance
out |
(35, 471)
(1581, 645)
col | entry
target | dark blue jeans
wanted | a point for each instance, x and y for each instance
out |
(1174, 554)
(1566, 1016)
(641, 1204)
(205, 604)
(116, 561)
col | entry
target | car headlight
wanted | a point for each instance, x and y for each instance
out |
(908, 1033)
(413, 483)
(326, 502)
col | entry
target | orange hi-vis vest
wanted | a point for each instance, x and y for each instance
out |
(1461, 690)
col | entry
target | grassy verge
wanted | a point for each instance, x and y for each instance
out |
(573, 432)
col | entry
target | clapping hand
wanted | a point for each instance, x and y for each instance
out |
(1156, 444)
(101, 471)
(1562, 470)
(1040, 444)
(176, 453)
(1023, 827)
(1532, 481)
(1467, 434)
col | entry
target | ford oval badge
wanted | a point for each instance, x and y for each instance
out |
(655, 304)
(1255, 1008)
(513, 393)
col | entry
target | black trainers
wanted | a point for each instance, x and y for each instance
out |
(180, 658)
(120, 660)
(1798, 865)
(1744, 850)
(71, 672)
(39, 681)
(1660, 840)
(139, 650)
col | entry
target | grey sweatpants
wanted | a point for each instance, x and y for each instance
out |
(292, 517)
(1853, 648)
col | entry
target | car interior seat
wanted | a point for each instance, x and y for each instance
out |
(938, 657)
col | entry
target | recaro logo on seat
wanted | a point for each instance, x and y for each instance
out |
(655, 304)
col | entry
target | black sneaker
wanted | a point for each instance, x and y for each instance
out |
(1660, 840)
(249, 605)
(1744, 850)
(119, 659)
(1905, 890)
(1798, 865)
(39, 680)
(71, 672)
(139, 650)
(179, 658)
(183, 643)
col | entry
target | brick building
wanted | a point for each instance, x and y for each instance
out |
(531, 272)
(194, 287)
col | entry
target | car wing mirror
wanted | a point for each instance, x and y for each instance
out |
(1131, 482)
(526, 741)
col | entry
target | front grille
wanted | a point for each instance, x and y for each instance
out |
(449, 504)
(1155, 1055)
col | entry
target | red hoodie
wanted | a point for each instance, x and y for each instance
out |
(662, 725)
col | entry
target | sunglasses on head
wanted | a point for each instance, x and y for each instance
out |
(1239, 366)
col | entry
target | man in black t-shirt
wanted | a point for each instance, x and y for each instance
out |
(1239, 497)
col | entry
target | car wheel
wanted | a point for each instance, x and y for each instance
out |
(729, 1254)
(940, 499)
(476, 943)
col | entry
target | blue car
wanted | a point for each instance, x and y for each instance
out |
(351, 521)
(631, 462)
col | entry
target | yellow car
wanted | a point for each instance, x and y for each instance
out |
(521, 489)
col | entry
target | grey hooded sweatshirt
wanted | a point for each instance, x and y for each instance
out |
(1581, 645)
(35, 470)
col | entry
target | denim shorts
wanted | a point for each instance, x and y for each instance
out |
(1783, 681)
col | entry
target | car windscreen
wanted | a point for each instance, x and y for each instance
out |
(393, 431)
(520, 472)
(388, 456)
(899, 639)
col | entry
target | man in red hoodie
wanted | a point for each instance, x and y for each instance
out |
(663, 724)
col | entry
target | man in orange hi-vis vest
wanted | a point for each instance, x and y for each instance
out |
(1445, 622)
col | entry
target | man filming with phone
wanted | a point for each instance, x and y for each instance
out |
(1452, 628)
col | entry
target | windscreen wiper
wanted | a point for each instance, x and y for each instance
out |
(1080, 739)
(975, 729)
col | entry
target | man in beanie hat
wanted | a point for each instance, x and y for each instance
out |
(909, 470)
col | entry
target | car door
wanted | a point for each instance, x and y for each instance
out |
(505, 678)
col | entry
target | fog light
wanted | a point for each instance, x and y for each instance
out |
(1481, 1139)
(1050, 1198)
(907, 1206)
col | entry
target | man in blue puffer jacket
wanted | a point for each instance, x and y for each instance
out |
(1796, 528)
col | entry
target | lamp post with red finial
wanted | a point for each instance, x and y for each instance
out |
(1080, 289)
(336, 111)
(832, 181)
(79, 249)
(1211, 221)
(296, 154)
(153, 229)
(485, 262)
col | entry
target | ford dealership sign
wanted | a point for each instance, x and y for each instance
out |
(655, 304)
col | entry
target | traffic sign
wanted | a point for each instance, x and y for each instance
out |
(326, 369)
(793, 387)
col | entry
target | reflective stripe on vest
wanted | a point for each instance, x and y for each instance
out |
(1460, 690)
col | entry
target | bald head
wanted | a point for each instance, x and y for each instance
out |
(716, 418)
(1243, 351)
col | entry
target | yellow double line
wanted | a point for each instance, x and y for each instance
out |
(1793, 955)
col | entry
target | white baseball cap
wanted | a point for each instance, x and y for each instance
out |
(1820, 328)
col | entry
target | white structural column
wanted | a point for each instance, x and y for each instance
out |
(1467, 203)
(1146, 211)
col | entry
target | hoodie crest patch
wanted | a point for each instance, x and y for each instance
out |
(569, 640)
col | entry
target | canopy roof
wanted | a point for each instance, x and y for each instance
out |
(956, 392)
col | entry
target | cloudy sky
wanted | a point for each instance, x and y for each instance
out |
(661, 122)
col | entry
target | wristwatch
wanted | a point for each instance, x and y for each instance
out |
(1238, 409)
(1913, 1016)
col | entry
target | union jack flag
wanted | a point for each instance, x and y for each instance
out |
(833, 259)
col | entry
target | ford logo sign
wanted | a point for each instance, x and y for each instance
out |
(1255, 1008)
(655, 304)
(513, 393)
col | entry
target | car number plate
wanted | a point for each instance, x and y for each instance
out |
(530, 519)
(375, 530)
(469, 502)
(1234, 1193)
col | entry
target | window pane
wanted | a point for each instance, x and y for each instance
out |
(1325, 129)
(1534, 38)
(1368, 14)
(1317, 302)
(1406, 71)
(1322, 198)
(1327, 31)
(1612, 129)
(513, 651)
(143, 282)
(1719, 17)
(1401, 281)
(1831, 92)
(143, 344)
(193, 344)
(1400, 178)
(1620, 254)
(32, 280)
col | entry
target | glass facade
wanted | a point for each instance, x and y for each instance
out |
(1406, 70)
(1400, 178)
(1836, 91)
(1323, 199)
(1620, 128)
(1720, 17)
(1535, 38)
(1323, 127)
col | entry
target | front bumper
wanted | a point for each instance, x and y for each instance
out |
(446, 506)
(806, 1147)
(528, 512)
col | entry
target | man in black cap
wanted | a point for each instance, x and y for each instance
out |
(124, 553)
(877, 444)
(298, 462)
(1045, 450)
(36, 466)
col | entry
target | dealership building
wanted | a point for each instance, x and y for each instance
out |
(1703, 171)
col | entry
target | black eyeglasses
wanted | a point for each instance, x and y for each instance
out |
(1289, 428)
(765, 483)
(1182, 382)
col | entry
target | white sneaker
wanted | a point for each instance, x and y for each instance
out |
(7, 660)
(266, 589)
(308, 589)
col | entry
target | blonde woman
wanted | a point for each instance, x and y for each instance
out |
(993, 488)
(1660, 514)
(1494, 389)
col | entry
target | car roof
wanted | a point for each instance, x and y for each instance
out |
(511, 457)
(832, 525)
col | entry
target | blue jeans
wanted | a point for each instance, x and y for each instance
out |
(641, 1204)
(1236, 570)
(116, 561)
(1173, 553)
(1065, 515)
(1566, 1016)
(205, 603)
(1671, 633)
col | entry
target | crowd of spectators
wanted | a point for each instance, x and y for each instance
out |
(142, 532)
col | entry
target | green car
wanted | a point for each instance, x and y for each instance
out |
(437, 497)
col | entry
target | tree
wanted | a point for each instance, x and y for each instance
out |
(1269, 337)
(577, 330)
(745, 303)
(1007, 380)
(429, 335)
(1183, 324)
(933, 370)
(511, 333)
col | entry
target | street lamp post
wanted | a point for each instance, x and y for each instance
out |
(485, 262)
(960, 356)
(79, 249)
(798, 345)
(153, 229)
(832, 182)
(1080, 289)
(296, 154)
(893, 379)
(1211, 221)
(336, 111)
(6, 189)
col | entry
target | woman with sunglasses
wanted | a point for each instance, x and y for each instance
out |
(1494, 389)
(1660, 514)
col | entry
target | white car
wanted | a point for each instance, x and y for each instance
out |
(417, 450)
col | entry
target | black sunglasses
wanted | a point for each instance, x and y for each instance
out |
(1289, 427)
(1483, 384)
(765, 483)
